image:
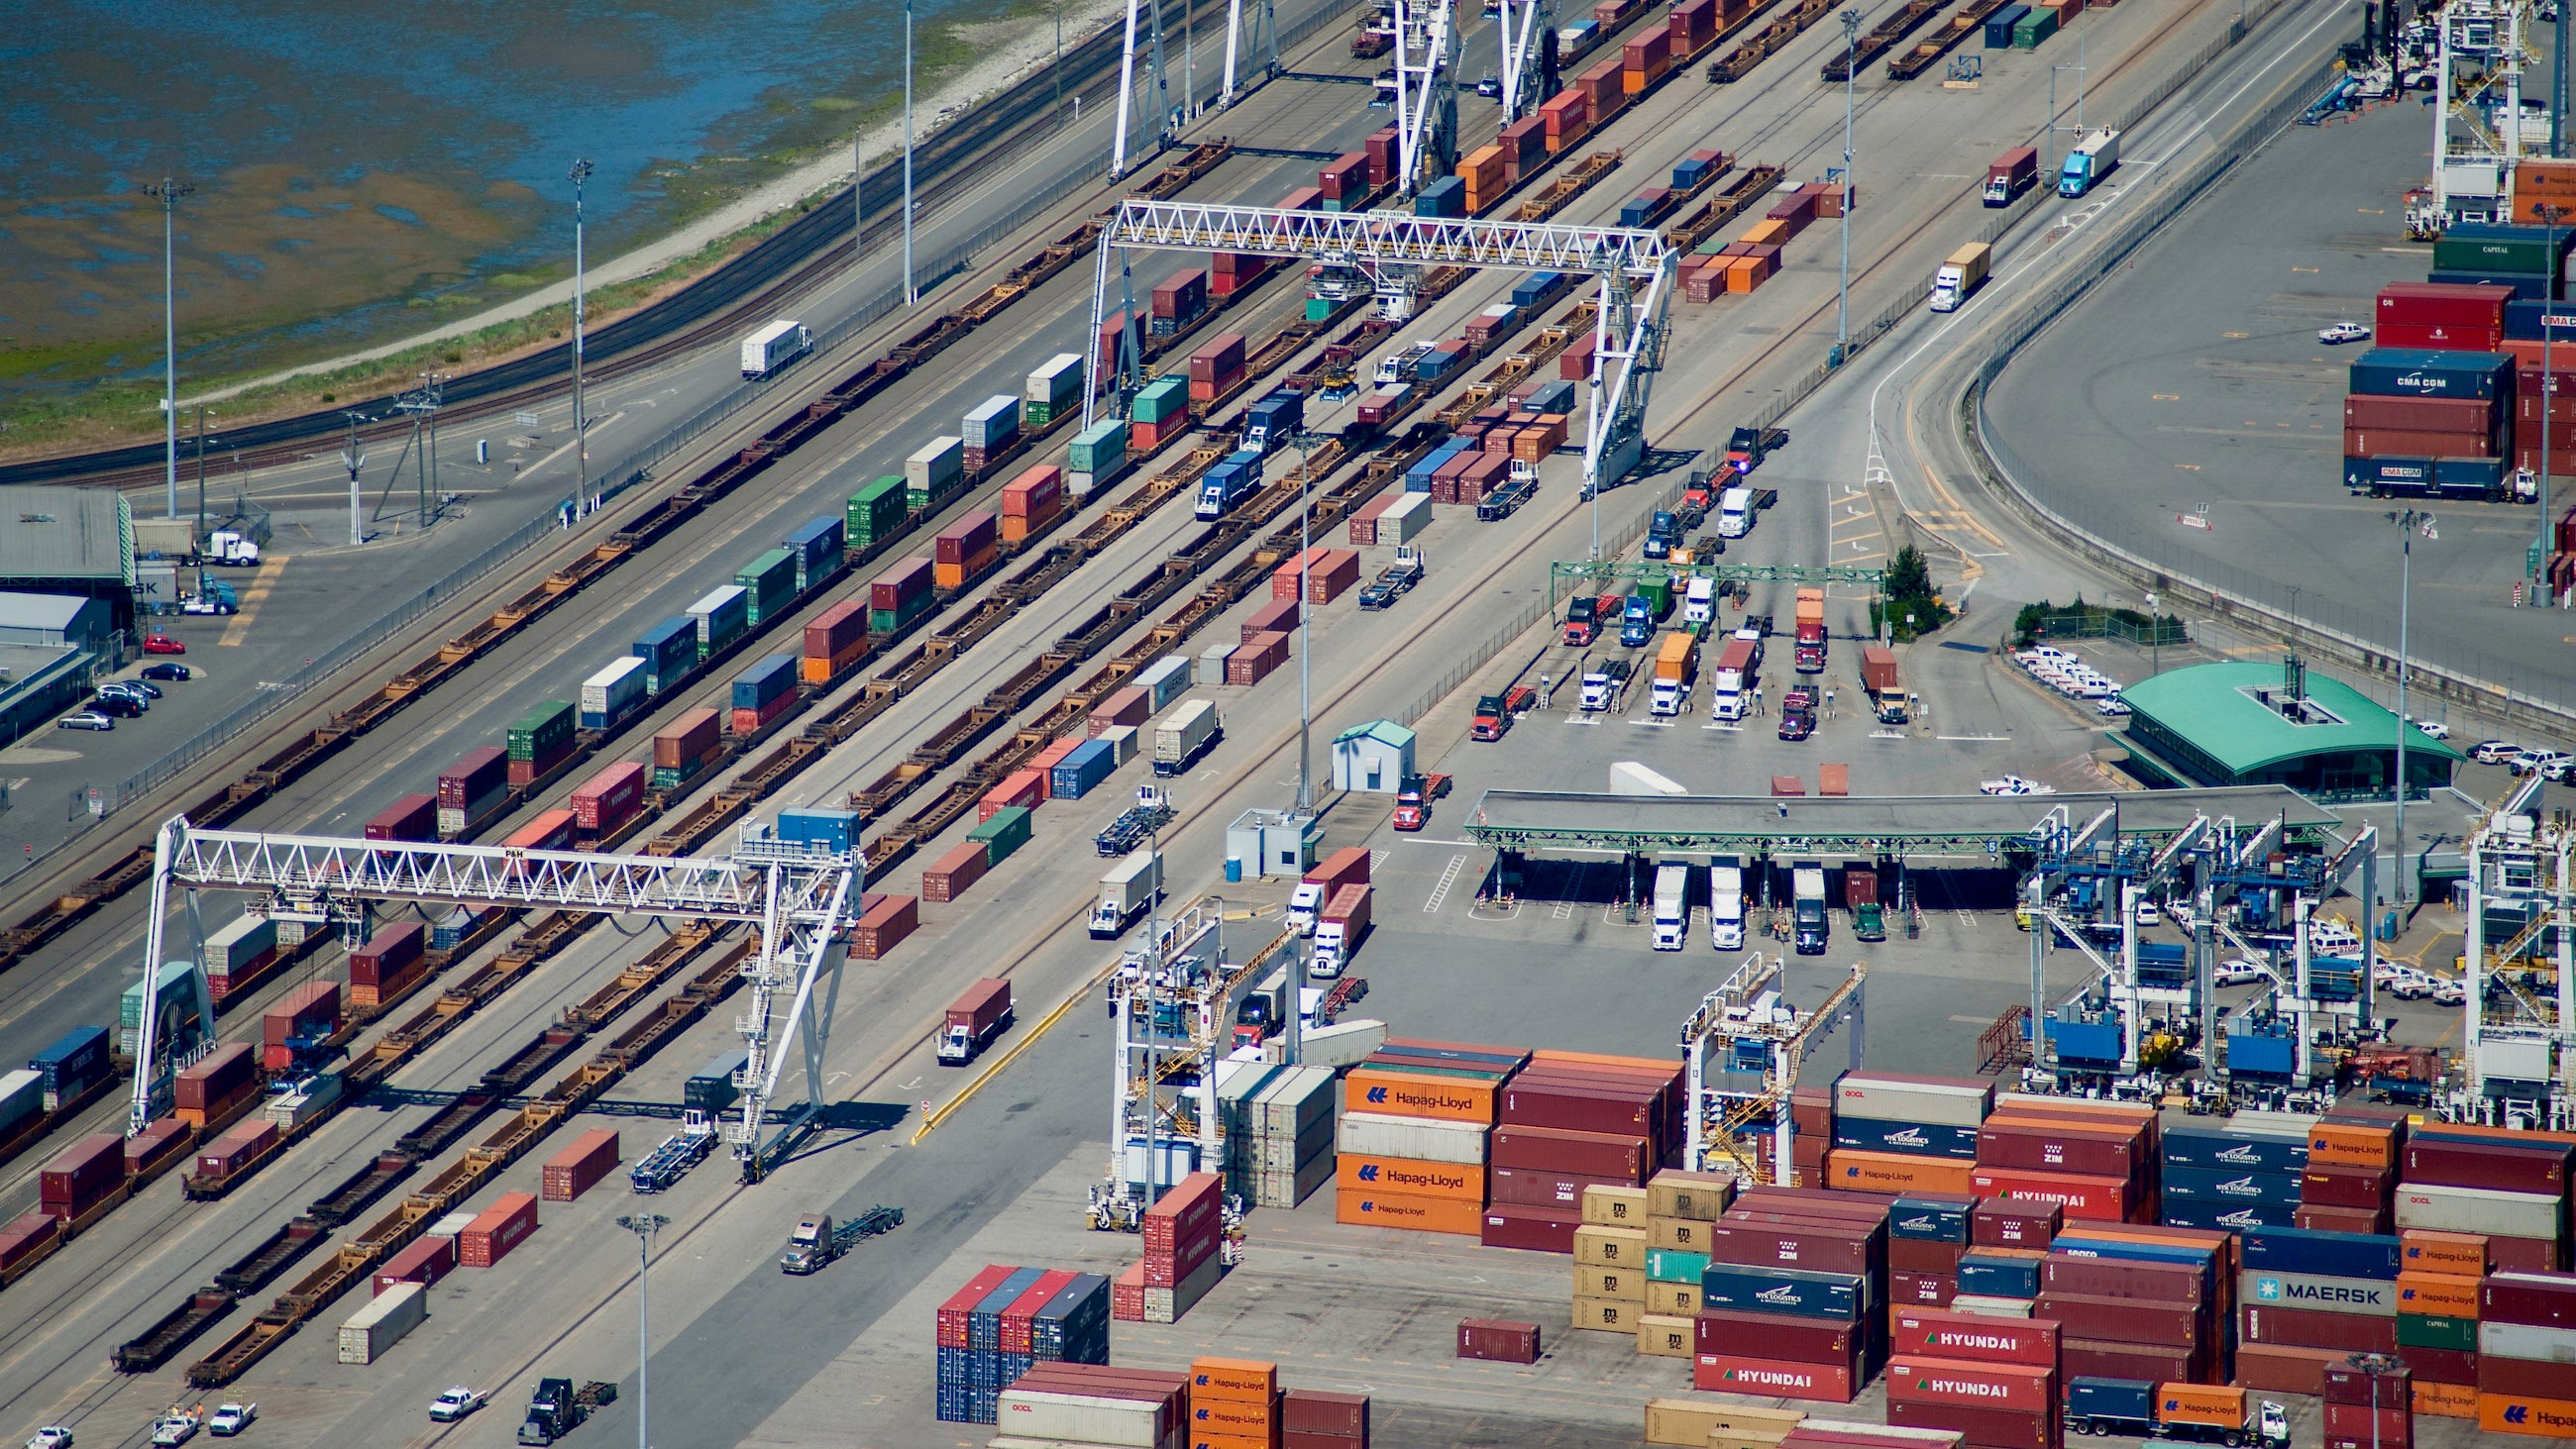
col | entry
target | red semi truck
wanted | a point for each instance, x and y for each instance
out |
(2012, 173)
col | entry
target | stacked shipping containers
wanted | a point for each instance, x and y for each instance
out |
(1804, 1332)
(1006, 1322)
(1567, 1122)
(540, 740)
(686, 746)
(1995, 1384)
(1181, 1262)
(1415, 1120)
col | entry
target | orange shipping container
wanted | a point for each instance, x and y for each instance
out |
(1766, 233)
(1355, 1173)
(2212, 1405)
(1234, 1380)
(1419, 1094)
(1422, 1214)
(1895, 1172)
(2517, 1414)
(2445, 1401)
(2442, 1295)
(2433, 1252)
(2351, 1144)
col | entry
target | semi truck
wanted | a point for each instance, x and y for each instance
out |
(1603, 687)
(1663, 533)
(975, 1019)
(1136, 824)
(1126, 894)
(2196, 1413)
(1726, 903)
(2012, 173)
(774, 346)
(1339, 930)
(1495, 712)
(1963, 273)
(1879, 680)
(1735, 513)
(1348, 866)
(1638, 617)
(1811, 631)
(1270, 422)
(1860, 892)
(1585, 617)
(817, 1240)
(1230, 482)
(1807, 908)
(557, 1408)
(1192, 731)
(2093, 158)
(1672, 906)
(1798, 713)
(1699, 597)
(1747, 447)
(1676, 669)
(1733, 694)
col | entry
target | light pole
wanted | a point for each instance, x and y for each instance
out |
(2549, 216)
(643, 1226)
(580, 425)
(1305, 630)
(909, 295)
(201, 472)
(1842, 293)
(2155, 638)
(2409, 522)
(168, 193)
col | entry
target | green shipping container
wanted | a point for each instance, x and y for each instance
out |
(875, 512)
(1164, 397)
(541, 731)
(1098, 448)
(771, 581)
(1318, 310)
(2419, 1330)
(888, 621)
(2034, 28)
(1666, 1265)
(1007, 831)
(1658, 592)
(2535, 255)
(1036, 415)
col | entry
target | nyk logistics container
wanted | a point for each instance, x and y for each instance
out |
(721, 616)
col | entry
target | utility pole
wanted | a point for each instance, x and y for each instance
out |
(910, 296)
(168, 193)
(580, 423)
(2549, 217)
(201, 472)
(1851, 73)
(643, 1226)
(355, 458)
(1305, 630)
(2409, 523)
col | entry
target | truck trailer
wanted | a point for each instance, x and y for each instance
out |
(2195, 1413)
(1807, 893)
(1127, 892)
(2012, 173)
(974, 1020)
(1672, 906)
(1191, 731)
(1676, 669)
(1962, 274)
(1726, 903)
(775, 346)
(2093, 158)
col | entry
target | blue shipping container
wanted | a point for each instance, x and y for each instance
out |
(1536, 288)
(1688, 172)
(669, 649)
(2226, 1217)
(984, 1321)
(1996, 1277)
(1918, 1221)
(1445, 198)
(2531, 321)
(1999, 26)
(1637, 211)
(2321, 1254)
(2267, 1056)
(2090, 1397)
(2199, 1147)
(1921, 1139)
(818, 549)
(2085, 1041)
(2525, 286)
(76, 1059)
(2421, 372)
(773, 676)
(2229, 1184)
(1078, 773)
(2076, 1244)
(2467, 477)
(2402, 477)
(1788, 1292)
(836, 830)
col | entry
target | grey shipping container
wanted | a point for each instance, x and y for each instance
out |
(712, 1089)
(2362, 1297)
(381, 1324)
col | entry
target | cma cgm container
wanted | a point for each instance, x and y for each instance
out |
(770, 580)
(612, 694)
(2418, 372)
(669, 650)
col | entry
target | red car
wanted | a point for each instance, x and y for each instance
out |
(162, 644)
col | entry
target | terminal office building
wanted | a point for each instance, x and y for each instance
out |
(2274, 724)
(67, 609)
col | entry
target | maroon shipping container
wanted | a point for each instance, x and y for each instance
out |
(2112, 1359)
(2347, 1384)
(2306, 1328)
(1183, 1212)
(2123, 1320)
(1982, 1428)
(1816, 1249)
(1171, 1269)
(1497, 1340)
(835, 629)
(2423, 414)
(2494, 1166)
(1914, 1255)
(2059, 1149)
(1816, 1202)
(966, 540)
(1798, 1340)
(413, 817)
(424, 1262)
(687, 739)
(1585, 1108)
(1523, 1225)
(155, 1144)
(2115, 1278)
(2317, 1218)
(2282, 1370)
(1607, 1156)
(1922, 1290)
(1313, 1411)
(2526, 1255)
(480, 772)
(2346, 1187)
(310, 1009)
(1220, 360)
(1252, 663)
(1183, 296)
(2531, 1378)
(609, 799)
(1931, 1334)
(502, 1226)
(2390, 1427)
(2425, 303)
(883, 924)
(950, 875)
(2548, 1302)
(2440, 1365)
(573, 1171)
(388, 954)
(1279, 616)
(216, 1076)
(26, 1235)
(1546, 1187)
(225, 1155)
(2388, 443)
(2441, 336)
(2016, 1388)
(900, 584)
(1345, 177)
(1129, 706)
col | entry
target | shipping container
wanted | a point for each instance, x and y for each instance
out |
(614, 693)
(498, 1229)
(575, 1170)
(367, 1334)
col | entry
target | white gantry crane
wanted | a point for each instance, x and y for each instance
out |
(798, 897)
(1741, 1052)
(2479, 128)
(1426, 91)
(1527, 29)
(1634, 267)
(2519, 1016)
(1145, 28)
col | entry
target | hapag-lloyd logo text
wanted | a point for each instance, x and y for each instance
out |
(1382, 1174)
(1418, 1097)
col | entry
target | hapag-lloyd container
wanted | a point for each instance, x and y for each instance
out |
(1419, 1094)
(1354, 1173)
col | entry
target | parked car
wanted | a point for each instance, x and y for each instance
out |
(117, 703)
(145, 687)
(2432, 727)
(162, 644)
(85, 719)
(2344, 332)
(2532, 762)
(52, 1436)
(2013, 785)
(2114, 707)
(2494, 752)
(168, 672)
(2147, 913)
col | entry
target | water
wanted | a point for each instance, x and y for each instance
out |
(366, 171)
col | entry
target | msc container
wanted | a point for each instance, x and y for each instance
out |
(934, 470)
(411, 818)
(770, 581)
(1079, 772)
(721, 617)
(818, 548)
(1163, 681)
(875, 512)
(499, 1228)
(573, 1171)
(834, 830)
(669, 649)
(612, 694)
(367, 1333)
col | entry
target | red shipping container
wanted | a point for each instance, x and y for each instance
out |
(1169, 1270)
(2341, 1220)
(1914, 1255)
(1313, 1411)
(1931, 1333)
(2173, 1283)
(2104, 1199)
(2430, 302)
(216, 1077)
(1221, 359)
(1017, 1318)
(1279, 616)
(1548, 1187)
(900, 584)
(2008, 1224)
(835, 629)
(1799, 1340)
(2440, 1365)
(1983, 1428)
(85, 1172)
(610, 797)
(1345, 177)
(1607, 1156)
(1575, 362)
(966, 539)
(1330, 574)
(387, 954)
(883, 925)
(1922, 1290)
(2441, 336)
(502, 1226)
(1182, 296)
(747, 722)
(2123, 1320)
(2281, 1369)
(1579, 1109)
(2305, 1328)
(952, 1317)
(1817, 1249)
(2108, 1358)
(1283, 579)
(2387, 1428)
(1496, 1340)
(948, 877)
(2424, 414)
(2052, 1148)
(573, 1171)
(425, 1262)
(1828, 1383)
(1363, 524)
(1182, 1213)
(1129, 706)
(225, 1155)
(2348, 1384)
(2526, 1378)
(2496, 1166)
(1531, 1227)
(688, 738)
(2346, 1187)
(1026, 788)
(477, 774)
(2526, 1255)
(2012, 1387)
(1251, 663)
(308, 1010)
(2546, 1302)
(2384, 443)
(413, 817)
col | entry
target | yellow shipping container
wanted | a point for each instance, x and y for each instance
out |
(1661, 1335)
(1672, 1193)
(1620, 1207)
(1682, 1298)
(1680, 1235)
(1607, 1315)
(1607, 1247)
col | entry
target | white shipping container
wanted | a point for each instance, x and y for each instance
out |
(941, 462)
(380, 1325)
(2478, 1210)
(1279, 1152)
(1421, 1139)
(1404, 518)
(1985, 1307)
(2529, 1342)
(1345, 1043)
(1083, 1418)
(1881, 1099)
(1299, 1100)
(993, 421)
(22, 1095)
(717, 601)
(2515, 1059)
(614, 688)
(1121, 740)
(1058, 380)
(238, 943)
(1285, 1189)
(1628, 777)
(1167, 1305)
(451, 1225)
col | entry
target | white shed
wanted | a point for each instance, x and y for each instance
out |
(1372, 758)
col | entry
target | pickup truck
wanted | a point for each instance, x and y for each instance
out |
(1749, 446)
(974, 1019)
(818, 1240)
(557, 1408)
(1495, 712)
(1395, 580)
(1413, 800)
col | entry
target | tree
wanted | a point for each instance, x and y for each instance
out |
(1908, 576)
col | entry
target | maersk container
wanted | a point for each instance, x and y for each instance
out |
(669, 649)
(2315, 1293)
(1079, 772)
(770, 580)
(875, 511)
(1100, 448)
(1787, 1292)
(369, 1332)
(818, 548)
(765, 681)
(836, 830)
(934, 470)
(542, 731)
(992, 423)
(2422, 372)
(721, 617)
(1164, 680)
(612, 694)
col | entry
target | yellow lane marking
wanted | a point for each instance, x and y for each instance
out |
(940, 1113)
(238, 630)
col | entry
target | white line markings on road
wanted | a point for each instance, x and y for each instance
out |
(1440, 892)
(1376, 858)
